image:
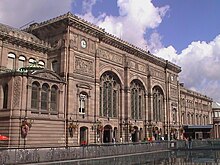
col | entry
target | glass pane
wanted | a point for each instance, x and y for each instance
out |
(105, 99)
(115, 104)
(110, 100)
(100, 103)
(34, 97)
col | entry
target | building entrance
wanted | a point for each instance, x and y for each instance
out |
(107, 134)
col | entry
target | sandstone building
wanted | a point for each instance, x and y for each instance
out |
(66, 82)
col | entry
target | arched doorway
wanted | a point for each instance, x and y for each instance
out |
(83, 135)
(134, 134)
(107, 137)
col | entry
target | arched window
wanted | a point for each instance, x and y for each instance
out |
(31, 61)
(137, 99)
(109, 95)
(82, 103)
(11, 61)
(5, 96)
(35, 95)
(41, 63)
(21, 61)
(158, 104)
(44, 97)
(53, 98)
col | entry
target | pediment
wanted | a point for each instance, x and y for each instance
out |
(47, 74)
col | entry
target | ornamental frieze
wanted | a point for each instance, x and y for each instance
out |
(157, 73)
(173, 92)
(132, 64)
(110, 56)
(84, 66)
(73, 41)
(16, 92)
(92, 46)
(141, 68)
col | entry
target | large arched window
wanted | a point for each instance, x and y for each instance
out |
(53, 98)
(5, 96)
(35, 95)
(137, 99)
(44, 97)
(109, 95)
(158, 104)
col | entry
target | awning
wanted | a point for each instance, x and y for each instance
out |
(202, 128)
(197, 126)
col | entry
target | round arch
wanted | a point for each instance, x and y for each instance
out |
(138, 78)
(110, 95)
(114, 71)
(159, 87)
(107, 134)
(158, 104)
(83, 135)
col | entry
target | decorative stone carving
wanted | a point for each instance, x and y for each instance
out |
(73, 41)
(157, 73)
(58, 44)
(141, 68)
(110, 56)
(84, 66)
(173, 92)
(92, 46)
(16, 92)
(47, 75)
(174, 104)
(132, 64)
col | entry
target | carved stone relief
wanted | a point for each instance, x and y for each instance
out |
(16, 92)
(132, 64)
(141, 68)
(92, 46)
(46, 76)
(84, 66)
(173, 92)
(110, 56)
(157, 73)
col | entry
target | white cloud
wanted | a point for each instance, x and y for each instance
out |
(199, 61)
(17, 13)
(200, 66)
(135, 17)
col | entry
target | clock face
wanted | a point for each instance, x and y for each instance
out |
(83, 44)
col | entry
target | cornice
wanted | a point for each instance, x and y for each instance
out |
(19, 37)
(103, 36)
(192, 93)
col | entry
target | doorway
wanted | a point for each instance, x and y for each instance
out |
(107, 134)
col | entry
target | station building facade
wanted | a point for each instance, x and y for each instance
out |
(66, 82)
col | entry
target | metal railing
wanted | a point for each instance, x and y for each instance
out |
(36, 155)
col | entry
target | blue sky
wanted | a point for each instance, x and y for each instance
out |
(186, 32)
(184, 22)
